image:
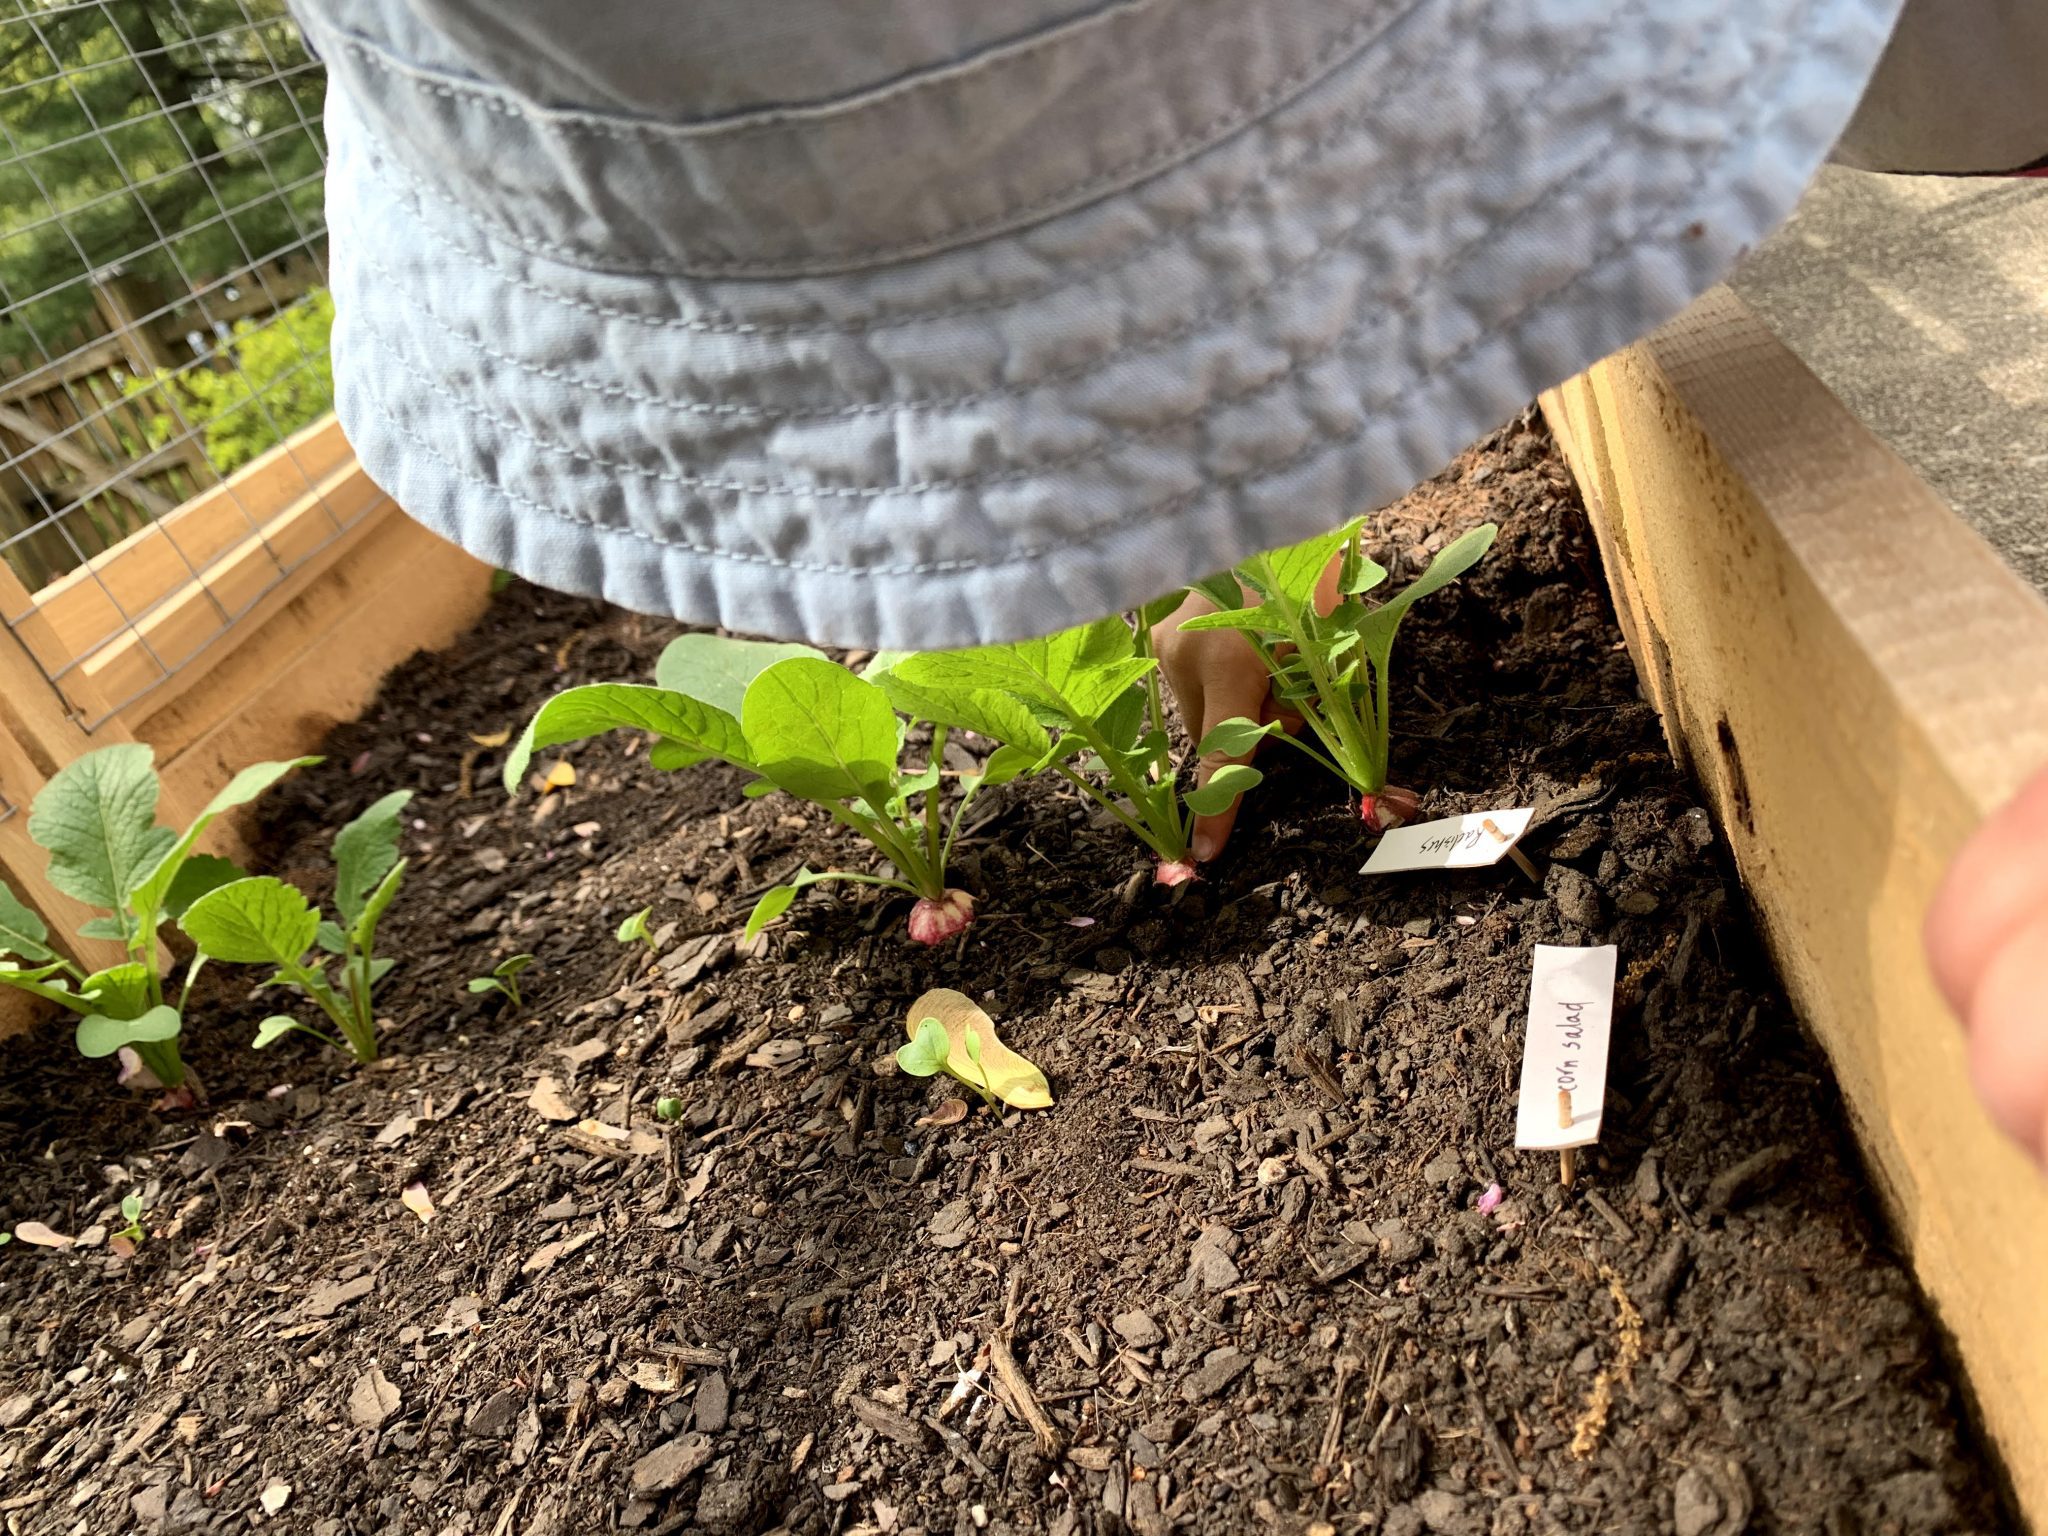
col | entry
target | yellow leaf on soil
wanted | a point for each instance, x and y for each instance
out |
(494, 739)
(1010, 1077)
(560, 775)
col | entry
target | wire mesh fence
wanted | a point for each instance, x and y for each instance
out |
(164, 317)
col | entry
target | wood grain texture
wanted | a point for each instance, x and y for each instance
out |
(1856, 680)
(88, 607)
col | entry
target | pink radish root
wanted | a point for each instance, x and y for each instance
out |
(934, 922)
(1390, 808)
(1178, 872)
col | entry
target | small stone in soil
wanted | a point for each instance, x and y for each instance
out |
(1136, 1328)
(1577, 898)
(1219, 1370)
(713, 1403)
(667, 1466)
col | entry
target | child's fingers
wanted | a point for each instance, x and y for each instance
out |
(1997, 884)
(2008, 1026)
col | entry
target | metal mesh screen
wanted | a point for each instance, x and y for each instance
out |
(163, 331)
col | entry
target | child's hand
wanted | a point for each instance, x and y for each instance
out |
(1987, 942)
(1214, 676)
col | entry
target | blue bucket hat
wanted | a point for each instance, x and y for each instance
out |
(920, 323)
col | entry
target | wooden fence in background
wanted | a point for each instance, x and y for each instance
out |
(78, 472)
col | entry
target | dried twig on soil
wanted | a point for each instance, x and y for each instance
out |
(1020, 1396)
(1591, 1424)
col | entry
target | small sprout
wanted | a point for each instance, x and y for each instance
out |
(504, 979)
(635, 928)
(930, 1052)
(130, 1237)
(668, 1110)
(262, 921)
(949, 1034)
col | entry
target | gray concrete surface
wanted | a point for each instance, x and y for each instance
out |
(1923, 304)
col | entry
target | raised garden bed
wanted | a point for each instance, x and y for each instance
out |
(1238, 1266)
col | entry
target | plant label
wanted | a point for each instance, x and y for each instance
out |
(1457, 842)
(1564, 1057)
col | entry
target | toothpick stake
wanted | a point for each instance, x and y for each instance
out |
(1568, 1159)
(1521, 859)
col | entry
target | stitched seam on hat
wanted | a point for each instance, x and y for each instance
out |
(1339, 130)
(1234, 119)
(1411, 388)
(1323, 251)
(1341, 343)
(742, 124)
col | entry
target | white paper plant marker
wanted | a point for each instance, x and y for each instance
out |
(1456, 842)
(1564, 1057)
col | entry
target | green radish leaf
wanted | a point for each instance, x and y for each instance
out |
(131, 1208)
(1376, 630)
(689, 724)
(634, 928)
(773, 903)
(21, 931)
(1078, 672)
(364, 852)
(120, 991)
(1293, 572)
(481, 984)
(1368, 574)
(1007, 763)
(1236, 736)
(273, 1029)
(151, 901)
(1160, 608)
(99, 1035)
(114, 928)
(97, 817)
(717, 670)
(200, 873)
(776, 901)
(760, 789)
(374, 907)
(990, 714)
(1262, 620)
(821, 733)
(880, 665)
(253, 921)
(330, 937)
(1123, 719)
(1223, 590)
(1224, 786)
(37, 984)
(926, 1053)
(508, 970)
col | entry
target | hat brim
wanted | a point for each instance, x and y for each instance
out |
(1024, 433)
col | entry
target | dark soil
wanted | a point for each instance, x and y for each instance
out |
(1239, 1264)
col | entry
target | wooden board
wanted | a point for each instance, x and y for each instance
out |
(319, 659)
(282, 555)
(1856, 680)
(88, 607)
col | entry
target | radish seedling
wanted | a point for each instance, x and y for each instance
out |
(504, 979)
(1083, 683)
(97, 819)
(634, 929)
(131, 1212)
(1332, 668)
(261, 921)
(804, 725)
(931, 1052)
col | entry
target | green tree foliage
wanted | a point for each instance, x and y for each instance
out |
(282, 379)
(177, 138)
